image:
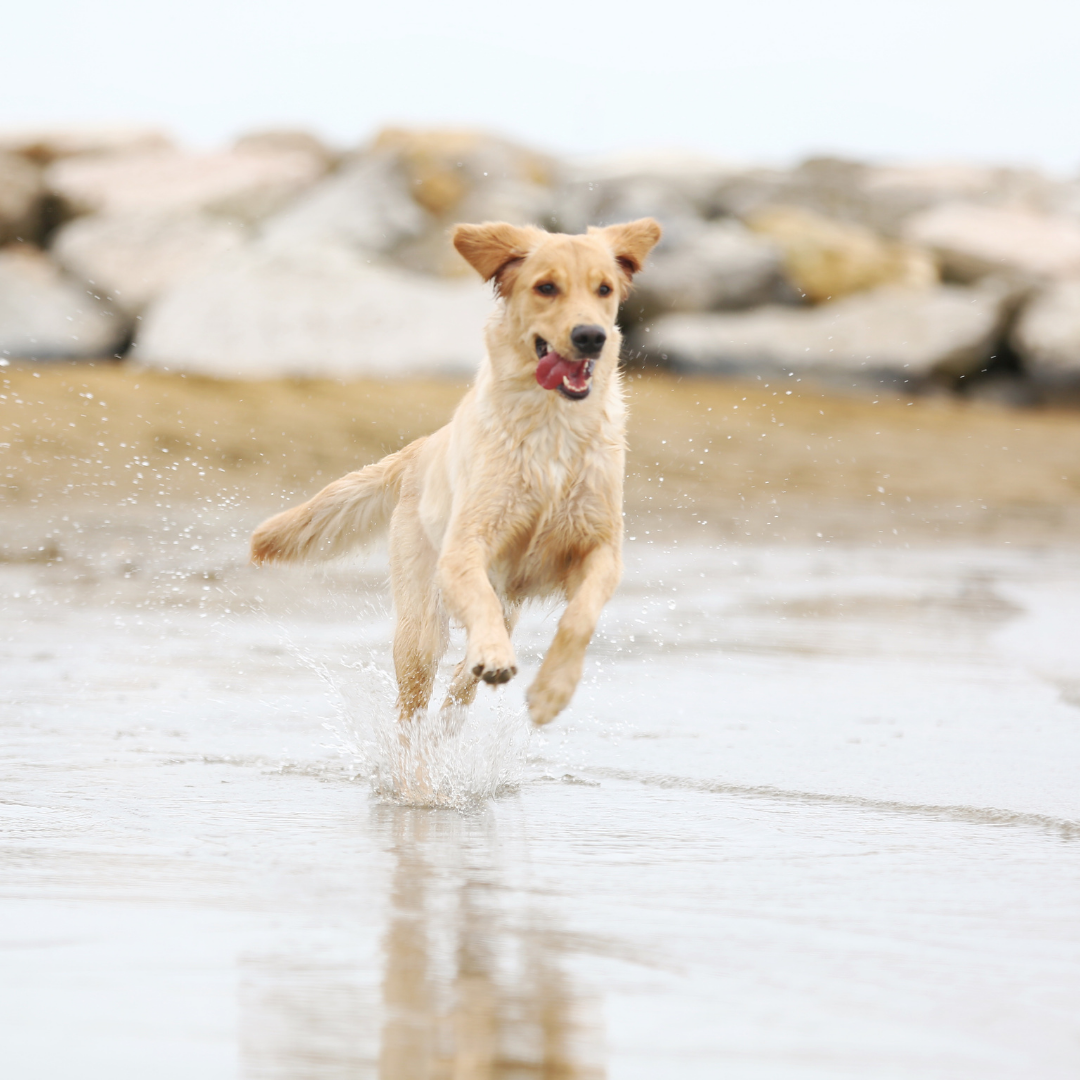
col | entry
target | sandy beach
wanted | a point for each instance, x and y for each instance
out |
(774, 462)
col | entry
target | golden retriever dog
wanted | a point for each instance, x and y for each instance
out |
(520, 495)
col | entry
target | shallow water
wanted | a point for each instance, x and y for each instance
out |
(814, 813)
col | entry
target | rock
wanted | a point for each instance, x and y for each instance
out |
(830, 187)
(972, 241)
(244, 185)
(401, 195)
(834, 188)
(881, 198)
(677, 189)
(21, 191)
(44, 146)
(890, 195)
(720, 265)
(1047, 333)
(892, 331)
(464, 176)
(319, 311)
(44, 315)
(471, 176)
(290, 141)
(133, 258)
(826, 259)
(365, 206)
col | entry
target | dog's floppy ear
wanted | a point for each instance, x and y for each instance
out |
(494, 249)
(630, 243)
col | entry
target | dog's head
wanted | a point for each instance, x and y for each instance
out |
(561, 294)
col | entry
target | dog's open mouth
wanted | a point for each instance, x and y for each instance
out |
(573, 379)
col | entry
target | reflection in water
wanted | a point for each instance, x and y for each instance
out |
(473, 984)
(473, 988)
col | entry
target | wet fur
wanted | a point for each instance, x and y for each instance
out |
(518, 497)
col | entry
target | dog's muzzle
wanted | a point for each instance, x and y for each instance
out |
(572, 378)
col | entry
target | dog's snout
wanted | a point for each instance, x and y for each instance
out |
(588, 340)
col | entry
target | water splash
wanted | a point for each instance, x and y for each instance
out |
(456, 760)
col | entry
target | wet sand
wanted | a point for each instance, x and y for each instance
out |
(813, 813)
(734, 459)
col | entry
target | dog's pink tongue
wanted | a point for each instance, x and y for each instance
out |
(553, 368)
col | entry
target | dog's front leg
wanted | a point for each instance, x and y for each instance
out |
(589, 588)
(469, 597)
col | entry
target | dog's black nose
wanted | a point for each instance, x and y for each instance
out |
(588, 340)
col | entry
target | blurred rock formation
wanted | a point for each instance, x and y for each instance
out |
(892, 331)
(314, 310)
(1047, 333)
(719, 265)
(45, 315)
(281, 255)
(134, 258)
(21, 194)
(973, 241)
(825, 259)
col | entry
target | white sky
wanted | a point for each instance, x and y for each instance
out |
(756, 79)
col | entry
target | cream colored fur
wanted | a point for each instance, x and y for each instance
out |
(518, 497)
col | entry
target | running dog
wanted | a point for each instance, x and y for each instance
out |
(520, 495)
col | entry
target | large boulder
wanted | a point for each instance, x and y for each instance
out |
(468, 175)
(881, 197)
(826, 259)
(401, 195)
(44, 315)
(365, 206)
(318, 311)
(1047, 334)
(21, 191)
(133, 258)
(675, 188)
(893, 194)
(719, 265)
(891, 331)
(245, 185)
(973, 241)
(830, 187)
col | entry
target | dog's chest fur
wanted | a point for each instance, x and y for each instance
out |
(568, 498)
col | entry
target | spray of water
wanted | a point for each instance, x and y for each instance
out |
(457, 760)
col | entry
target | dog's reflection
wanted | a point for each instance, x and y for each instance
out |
(473, 983)
(473, 988)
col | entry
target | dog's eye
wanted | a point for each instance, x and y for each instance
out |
(546, 288)
(604, 290)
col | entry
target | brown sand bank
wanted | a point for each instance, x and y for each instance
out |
(753, 461)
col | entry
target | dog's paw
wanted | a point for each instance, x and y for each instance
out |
(494, 662)
(547, 697)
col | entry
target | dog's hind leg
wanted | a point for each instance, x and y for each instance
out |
(422, 631)
(462, 689)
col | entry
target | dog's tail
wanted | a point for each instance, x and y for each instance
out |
(342, 516)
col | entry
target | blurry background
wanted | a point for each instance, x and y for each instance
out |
(856, 193)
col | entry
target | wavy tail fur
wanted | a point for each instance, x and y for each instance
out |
(342, 516)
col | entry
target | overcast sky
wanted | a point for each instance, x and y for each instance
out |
(758, 79)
